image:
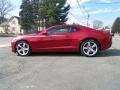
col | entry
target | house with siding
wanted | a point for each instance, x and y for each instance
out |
(12, 26)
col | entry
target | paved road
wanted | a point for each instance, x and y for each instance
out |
(61, 71)
(5, 41)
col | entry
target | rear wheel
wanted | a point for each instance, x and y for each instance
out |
(23, 48)
(89, 48)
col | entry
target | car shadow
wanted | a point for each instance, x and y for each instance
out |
(106, 53)
(56, 54)
(109, 53)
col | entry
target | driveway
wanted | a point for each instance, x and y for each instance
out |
(60, 71)
(5, 41)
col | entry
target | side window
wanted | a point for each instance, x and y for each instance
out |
(51, 31)
(74, 29)
(57, 30)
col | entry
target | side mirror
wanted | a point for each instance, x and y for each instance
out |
(113, 34)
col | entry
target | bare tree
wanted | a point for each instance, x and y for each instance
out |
(5, 8)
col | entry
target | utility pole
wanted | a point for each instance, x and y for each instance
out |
(88, 17)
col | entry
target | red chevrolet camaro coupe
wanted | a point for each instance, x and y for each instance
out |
(63, 38)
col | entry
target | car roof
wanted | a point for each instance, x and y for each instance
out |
(77, 25)
(74, 25)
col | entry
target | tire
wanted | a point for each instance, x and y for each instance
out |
(89, 48)
(23, 48)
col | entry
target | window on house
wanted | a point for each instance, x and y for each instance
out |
(13, 29)
(13, 22)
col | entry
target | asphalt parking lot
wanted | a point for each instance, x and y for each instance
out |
(60, 71)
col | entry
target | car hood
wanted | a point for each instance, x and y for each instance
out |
(23, 36)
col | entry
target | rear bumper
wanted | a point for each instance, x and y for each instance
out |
(106, 43)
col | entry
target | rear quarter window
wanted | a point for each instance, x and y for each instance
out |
(74, 29)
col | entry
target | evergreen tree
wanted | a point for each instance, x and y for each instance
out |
(116, 26)
(35, 5)
(54, 11)
(27, 16)
(43, 13)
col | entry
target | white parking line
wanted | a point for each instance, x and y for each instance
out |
(5, 45)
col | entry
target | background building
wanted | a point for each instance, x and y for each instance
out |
(12, 26)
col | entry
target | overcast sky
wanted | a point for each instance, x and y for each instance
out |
(104, 10)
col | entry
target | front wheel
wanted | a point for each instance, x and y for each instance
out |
(89, 48)
(23, 48)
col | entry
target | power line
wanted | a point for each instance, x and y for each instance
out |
(88, 15)
(82, 8)
(103, 3)
(79, 6)
(73, 16)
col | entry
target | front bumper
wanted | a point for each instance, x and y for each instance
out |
(13, 46)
